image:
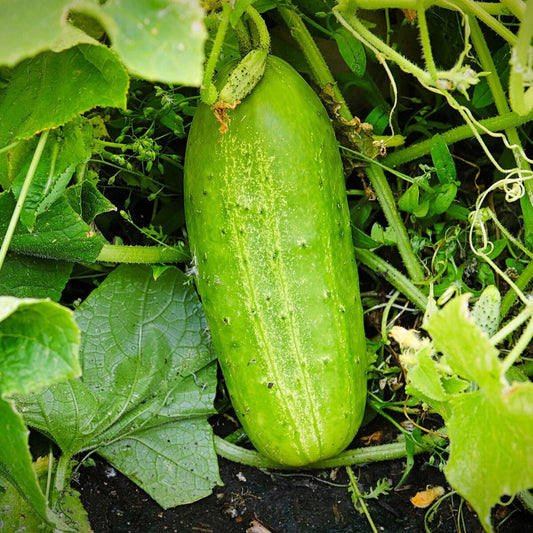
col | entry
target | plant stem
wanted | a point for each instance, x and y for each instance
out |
(260, 26)
(500, 101)
(359, 30)
(8, 147)
(114, 253)
(415, 151)
(516, 7)
(475, 8)
(425, 40)
(319, 68)
(22, 196)
(359, 456)
(526, 497)
(358, 499)
(393, 276)
(520, 98)
(512, 325)
(518, 348)
(60, 482)
(208, 90)
(522, 281)
(377, 177)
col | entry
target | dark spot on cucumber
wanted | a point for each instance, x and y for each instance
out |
(270, 385)
(204, 192)
(226, 320)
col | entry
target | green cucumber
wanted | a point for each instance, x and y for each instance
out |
(268, 223)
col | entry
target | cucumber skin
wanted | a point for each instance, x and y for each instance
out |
(268, 223)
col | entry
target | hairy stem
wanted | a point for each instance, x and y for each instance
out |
(415, 151)
(319, 68)
(372, 454)
(208, 91)
(393, 276)
(379, 182)
(113, 253)
(22, 196)
(510, 296)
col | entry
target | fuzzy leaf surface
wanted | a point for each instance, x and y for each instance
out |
(147, 367)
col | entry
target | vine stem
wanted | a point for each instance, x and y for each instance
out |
(22, 196)
(260, 26)
(393, 276)
(520, 98)
(518, 348)
(61, 480)
(114, 253)
(319, 68)
(500, 101)
(425, 40)
(359, 456)
(377, 177)
(357, 497)
(415, 151)
(208, 91)
(510, 296)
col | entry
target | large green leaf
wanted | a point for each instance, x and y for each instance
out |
(59, 232)
(147, 386)
(39, 343)
(33, 277)
(51, 89)
(28, 28)
(159, 40)
(16, 467)
(490, 423)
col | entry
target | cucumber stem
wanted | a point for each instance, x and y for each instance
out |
(114, 253)
(511, 296)
(415, 151)
(208, 92)
(22, 196)
(381, 187)
(359, 456)
(260, 26)
(319, 68)
(393, 276)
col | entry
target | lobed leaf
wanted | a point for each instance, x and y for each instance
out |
(147, 367)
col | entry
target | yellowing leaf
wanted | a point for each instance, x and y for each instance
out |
(426, 497)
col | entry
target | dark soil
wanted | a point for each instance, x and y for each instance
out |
(318, 502)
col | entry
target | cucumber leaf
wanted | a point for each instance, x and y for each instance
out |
(28, 28)
(498, 415)
(59, 232)
(158, 40)
(39, 343)
(51, 89)
(33, 277)
(66, 148)
(147, 386)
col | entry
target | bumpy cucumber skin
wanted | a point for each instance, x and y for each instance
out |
(268, 222)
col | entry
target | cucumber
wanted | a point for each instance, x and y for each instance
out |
(268, 223)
